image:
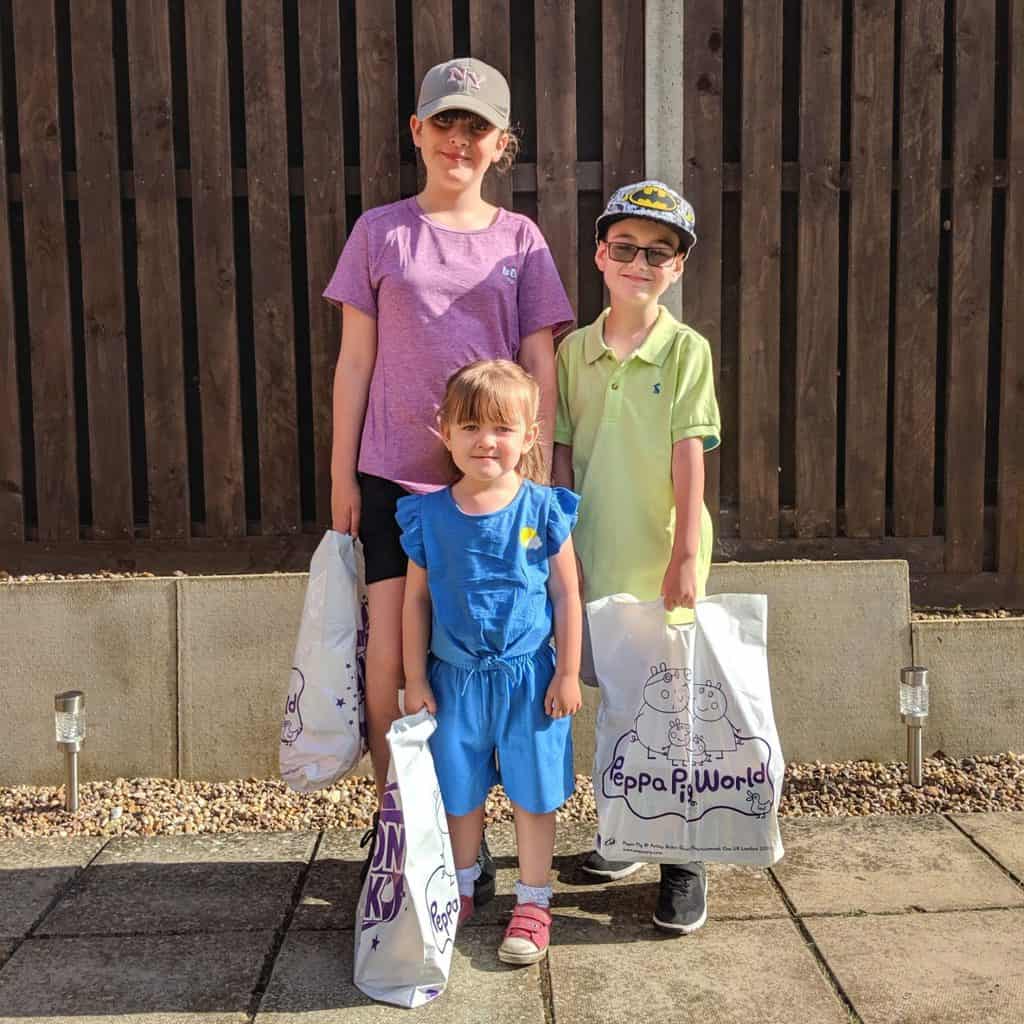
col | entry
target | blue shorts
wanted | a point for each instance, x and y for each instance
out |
(500, 710)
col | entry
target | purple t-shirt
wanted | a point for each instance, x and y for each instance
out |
(442, 298)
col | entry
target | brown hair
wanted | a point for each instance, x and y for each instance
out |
(511, 151)
(499, 391)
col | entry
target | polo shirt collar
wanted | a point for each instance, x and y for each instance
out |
(654, 349)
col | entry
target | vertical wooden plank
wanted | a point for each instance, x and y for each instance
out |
(702, 185)
(378, 102)
(760, 250)
(867, 315)
(323, 175)
(266, 139)
(817, 328)
(49, 315)
(103, 312)
(156, 217)
(12, 497)
(622, 82)
(432, 43)
(1010, 535)
(917, 268)
(214, 255)
(555, 41)
(490, 41)
(974, 114)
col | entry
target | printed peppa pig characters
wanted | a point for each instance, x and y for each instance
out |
(716, 732)
(666, 696)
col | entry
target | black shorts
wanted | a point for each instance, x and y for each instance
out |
(378, 529)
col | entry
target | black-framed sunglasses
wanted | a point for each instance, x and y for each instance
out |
(625, 252)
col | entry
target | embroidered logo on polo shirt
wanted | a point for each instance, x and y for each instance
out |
(528, 538)
(656, 388)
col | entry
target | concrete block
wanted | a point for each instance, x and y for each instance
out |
(114, 639)
(1001, 834)
(135, 979)
(236, 640)
(976, 684)
(205, 883)
(312, 984)
(913, 970)
(733, 972)
(887, 865)
(33, 873)
(838, 634)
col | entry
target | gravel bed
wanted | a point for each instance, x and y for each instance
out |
(149, 807)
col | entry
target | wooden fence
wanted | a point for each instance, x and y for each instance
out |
(181, 175)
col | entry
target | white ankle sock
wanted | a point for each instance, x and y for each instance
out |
(466, 877)
(539, 894)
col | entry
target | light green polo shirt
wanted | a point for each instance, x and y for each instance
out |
(621, 420)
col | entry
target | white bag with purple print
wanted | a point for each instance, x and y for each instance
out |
(688, 764)
(323, 735)
(409, 907)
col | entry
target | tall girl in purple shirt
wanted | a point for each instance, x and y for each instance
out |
(427, 285)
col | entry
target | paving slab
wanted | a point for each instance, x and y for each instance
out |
(733, 892)
(731, 972)
(332, 886)
(312, 984)
(918, 969)
(886, 864)
(33, 872)
(184, 884)
(147, 979)
(1001, 834)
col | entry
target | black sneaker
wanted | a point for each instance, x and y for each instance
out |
(682, 898)
(608, 870)
(483, 887)
(369, 837)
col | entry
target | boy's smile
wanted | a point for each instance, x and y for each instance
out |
(637, 282)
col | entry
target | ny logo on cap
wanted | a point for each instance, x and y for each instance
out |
(465, 76)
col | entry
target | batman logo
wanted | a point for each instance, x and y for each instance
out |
(652, 198)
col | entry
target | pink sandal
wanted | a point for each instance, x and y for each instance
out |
(527, 935)
(466, 908)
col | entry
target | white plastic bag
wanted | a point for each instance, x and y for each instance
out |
(323, 735)
(688, 764)
(408, 909)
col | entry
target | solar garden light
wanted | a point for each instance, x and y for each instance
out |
(914, 709)
(69, 722)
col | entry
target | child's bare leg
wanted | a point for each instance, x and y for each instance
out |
(535, 839)
(384, 675)
(465, 831)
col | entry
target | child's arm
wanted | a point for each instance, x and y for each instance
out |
(679, 586)
(563, 476)
(416, 609)
(563, 696)
(351, 391)
(537, 358)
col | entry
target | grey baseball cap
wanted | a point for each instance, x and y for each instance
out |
(651, 200)
(465, 84)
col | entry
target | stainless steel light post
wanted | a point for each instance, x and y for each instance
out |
(914, 710)
(69, 723)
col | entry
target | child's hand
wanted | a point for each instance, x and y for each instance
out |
(679, 587)
(563, 696)
(346, 503)
(418, 695)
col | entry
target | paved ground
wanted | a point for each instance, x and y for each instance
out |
(872, 920)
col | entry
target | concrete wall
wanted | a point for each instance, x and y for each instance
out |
(187, 676)
(975, 684)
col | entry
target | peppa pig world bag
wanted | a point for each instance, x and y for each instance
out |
(408, 908)
(687, 764)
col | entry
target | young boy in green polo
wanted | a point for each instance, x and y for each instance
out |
(636, 413)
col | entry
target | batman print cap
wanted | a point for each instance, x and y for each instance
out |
(652, 200)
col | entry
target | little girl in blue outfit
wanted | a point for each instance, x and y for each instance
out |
(491, 576)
